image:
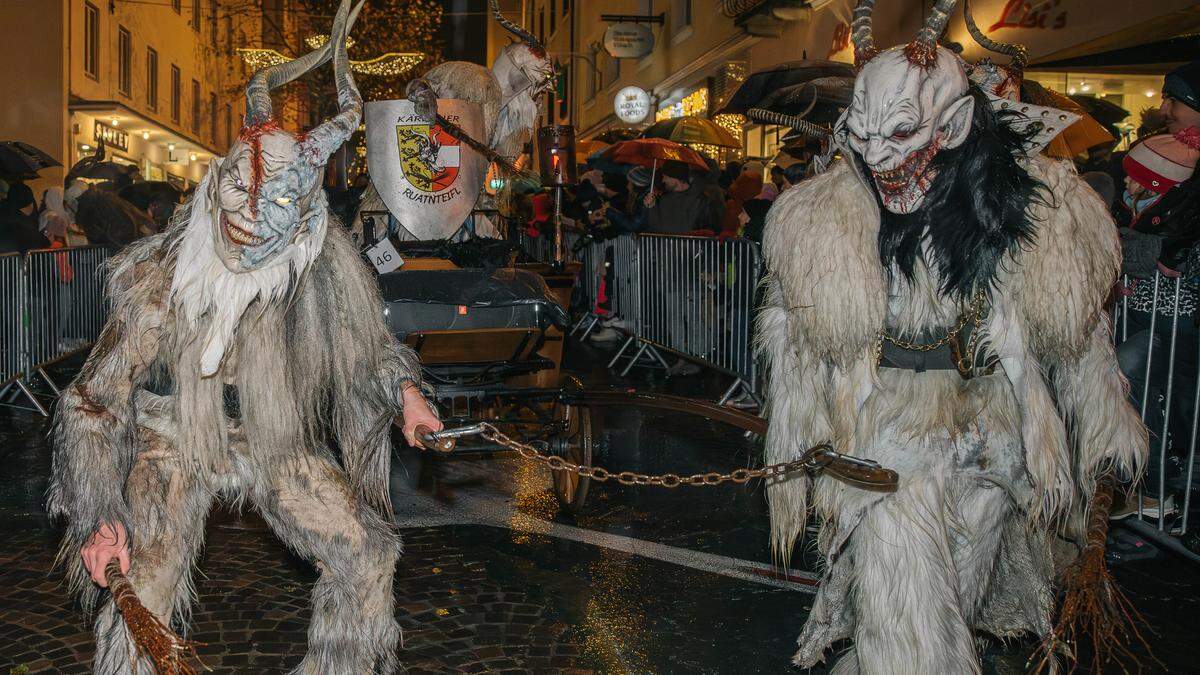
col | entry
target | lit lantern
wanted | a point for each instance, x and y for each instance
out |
(556, 152)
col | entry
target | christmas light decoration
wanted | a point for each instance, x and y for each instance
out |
(695, 103)
(315, 41)
(258, 59)
(735, 124)
(711, 151)
(392, 64)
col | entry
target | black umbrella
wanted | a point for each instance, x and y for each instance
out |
(820, 101)
(22, 160)
(764, 83)
(618, 135)
(1102, 110)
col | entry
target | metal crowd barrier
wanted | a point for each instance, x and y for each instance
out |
(12, 333)
(1159, 351)
(53, 308)
(693, 296)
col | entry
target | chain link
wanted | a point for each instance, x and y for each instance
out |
(973, 314)
(808, 461)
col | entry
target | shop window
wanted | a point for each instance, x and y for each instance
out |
(542, 27)
(196, 15)
(176, 93)
(152, 79)
(195, 107)
(566, 7)
(91, 41)
(228, 34)
(228, 125)
(124, 61)
(553, 22)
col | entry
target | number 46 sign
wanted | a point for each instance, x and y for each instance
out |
(385, 257)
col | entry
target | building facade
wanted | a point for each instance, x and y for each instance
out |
(702, 49)
(160, 83)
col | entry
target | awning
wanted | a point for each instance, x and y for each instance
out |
(1143, 47)
(1150, 57)
(135, 122)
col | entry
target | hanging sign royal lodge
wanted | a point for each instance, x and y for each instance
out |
(628, 40)
(426, 177)
(632, 105)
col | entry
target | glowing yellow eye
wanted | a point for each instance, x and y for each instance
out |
(283, 201)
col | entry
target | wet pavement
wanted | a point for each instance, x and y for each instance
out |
(641, 580)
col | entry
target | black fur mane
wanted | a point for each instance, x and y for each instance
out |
(975, 213)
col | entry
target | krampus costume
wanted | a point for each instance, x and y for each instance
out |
(508, 94)
(255, 317)
(935, 304)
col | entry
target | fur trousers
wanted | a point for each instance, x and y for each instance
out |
(920, 578)
(308, 503)
(912, 575)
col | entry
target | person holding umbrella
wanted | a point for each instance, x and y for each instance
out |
(18, 230)
(685, 205)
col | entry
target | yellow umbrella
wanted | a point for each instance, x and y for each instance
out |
(588, 147)
(1078, 137)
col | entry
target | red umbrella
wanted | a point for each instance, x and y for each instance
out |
(651, 152)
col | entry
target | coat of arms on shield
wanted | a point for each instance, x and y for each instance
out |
(426, 177)
(428, 156)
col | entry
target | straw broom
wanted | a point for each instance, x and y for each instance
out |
(168, 652)
(1092, 603)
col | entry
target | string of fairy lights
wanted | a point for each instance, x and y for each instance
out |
(391, 64)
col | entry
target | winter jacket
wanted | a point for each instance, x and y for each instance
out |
(700, 207)
(1174, 220)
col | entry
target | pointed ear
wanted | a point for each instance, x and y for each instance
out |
(955, 122)
(211, 185)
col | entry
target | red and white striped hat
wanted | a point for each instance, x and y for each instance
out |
(1161, 162)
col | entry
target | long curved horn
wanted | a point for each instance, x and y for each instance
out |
(794, 121)
(861, 32)
(513, 28)
(333, 132)
(258, 91)
(1018, 52)
(923, 49)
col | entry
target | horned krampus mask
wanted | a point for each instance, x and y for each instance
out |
(266, 192)
(909, 104)
(523, 66)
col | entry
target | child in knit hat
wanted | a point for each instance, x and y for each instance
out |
(1156, 165)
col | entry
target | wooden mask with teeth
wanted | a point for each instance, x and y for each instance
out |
(910, 103)
(268, 193)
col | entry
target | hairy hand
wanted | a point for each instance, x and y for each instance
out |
(416, 414)
(110, 541)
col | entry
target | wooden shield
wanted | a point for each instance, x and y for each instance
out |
(426, 177)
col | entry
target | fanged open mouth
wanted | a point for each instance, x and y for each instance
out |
(912, 170)
(237, 234)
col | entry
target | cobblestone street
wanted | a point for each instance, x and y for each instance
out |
(643, 580)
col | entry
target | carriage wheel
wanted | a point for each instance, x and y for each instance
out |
(575, 446)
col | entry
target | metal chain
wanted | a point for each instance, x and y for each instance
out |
(972, 314)
(807, 462)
